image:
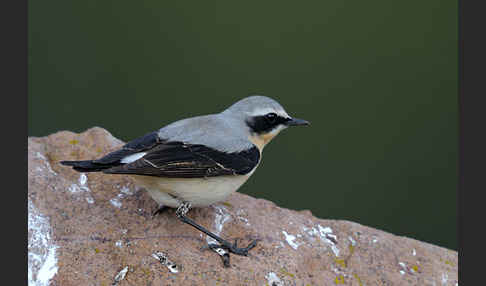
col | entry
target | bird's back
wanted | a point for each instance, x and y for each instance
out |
(215, 130)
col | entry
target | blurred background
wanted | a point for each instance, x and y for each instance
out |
(377, 79)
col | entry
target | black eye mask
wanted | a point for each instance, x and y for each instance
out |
(265, 123)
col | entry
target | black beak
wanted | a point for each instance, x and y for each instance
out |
(296, 122)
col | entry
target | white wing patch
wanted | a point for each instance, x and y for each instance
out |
(132, 158)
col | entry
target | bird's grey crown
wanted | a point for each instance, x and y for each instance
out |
(253, 104)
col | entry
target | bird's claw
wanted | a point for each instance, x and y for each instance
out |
(233, 248)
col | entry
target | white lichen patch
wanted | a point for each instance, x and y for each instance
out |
(126, 190)
(42, 260)
(340, 272)
(164, 260)
(119, 243)
(83, 179)
(243, 219)
(220, 218)
(326, 235)
(120, 276)
(81, 188)
(404, 268)
(290, 240)
(241, 215)
(74, 188)
(116, 202)
(445, 277)
(310, 231)
(47, 165)
(273, 279)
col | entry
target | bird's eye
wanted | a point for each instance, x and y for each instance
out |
(271, 117)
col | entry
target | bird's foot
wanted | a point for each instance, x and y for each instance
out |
(226, 248)
(233, 248)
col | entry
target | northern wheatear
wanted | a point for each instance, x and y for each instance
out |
(201, 160)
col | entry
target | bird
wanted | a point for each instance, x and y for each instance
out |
(201, 160)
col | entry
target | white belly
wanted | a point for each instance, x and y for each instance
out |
(199, 192)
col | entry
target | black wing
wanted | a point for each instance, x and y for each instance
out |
(172, 159)
(180, 160)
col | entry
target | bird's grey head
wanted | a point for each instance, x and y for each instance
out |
(263, 116)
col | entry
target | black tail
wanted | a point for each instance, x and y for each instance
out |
(113, 159)
(86, 166)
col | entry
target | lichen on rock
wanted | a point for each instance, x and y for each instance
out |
(96, 225)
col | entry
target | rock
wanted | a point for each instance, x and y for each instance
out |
(97, 229)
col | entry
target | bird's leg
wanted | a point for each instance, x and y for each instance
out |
(159, 210)
(231, 247)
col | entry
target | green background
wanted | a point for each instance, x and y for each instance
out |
(377, 79)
